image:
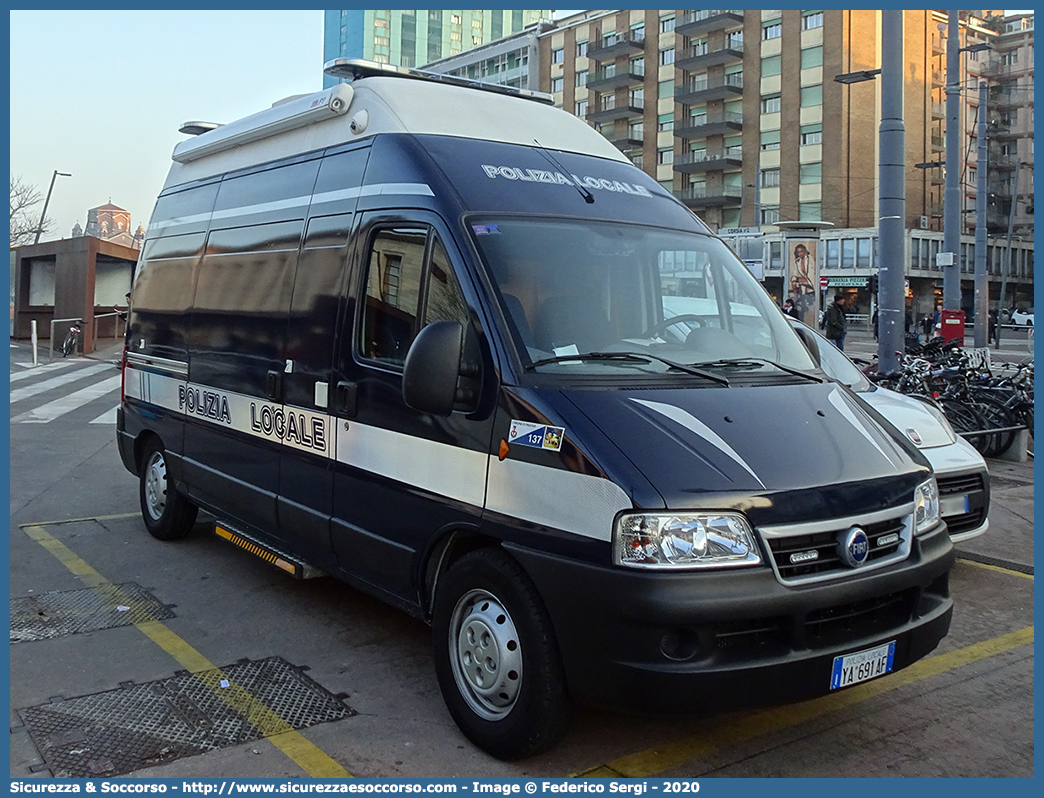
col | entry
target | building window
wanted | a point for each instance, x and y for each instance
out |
(581, 48)
(635, 130)
(770, 178)
(811, 57)
(811, 134)
(637, 98)
(476, 40)
(636, 158)
(770, 105)
(667, 56)
(606, 102)
(770, 140)
(381, 41)
(773, 31)
(847, 253)
(581, 107)
(666, 89)
(638, 32)
(581, 77)
(811, 172)
(557, 84)
(862, 249)
(812, 95)
(833, 253)
(812, 19)
(1010, 58)
(665, 122)
(455, 19)
(455, 36)
(770, 66)
(665, 156)
(666, 24)
(380, 23)
(557, 55)
(811, 212)
(770, 214)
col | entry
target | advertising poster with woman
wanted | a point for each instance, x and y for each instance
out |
(802, 279)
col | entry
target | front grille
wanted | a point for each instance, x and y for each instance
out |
(967, 483)
(747, 635)
(861, 619)
(800, 556)
(956, 524)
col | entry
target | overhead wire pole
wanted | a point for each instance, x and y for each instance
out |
(982, 286)
(952, 195)
(891, 299)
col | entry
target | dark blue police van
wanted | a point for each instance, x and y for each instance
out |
(443, 341)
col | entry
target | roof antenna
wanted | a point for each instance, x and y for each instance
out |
(587, 195)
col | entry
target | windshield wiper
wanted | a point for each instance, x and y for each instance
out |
(743, 362)
(632, 357)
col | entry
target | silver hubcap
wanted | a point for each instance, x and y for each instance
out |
(487, 657)
(156, 486)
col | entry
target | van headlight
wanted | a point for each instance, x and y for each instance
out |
(926, 506)
(684, 540)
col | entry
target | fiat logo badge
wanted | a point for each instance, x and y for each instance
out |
(912, 434)
(853, 546)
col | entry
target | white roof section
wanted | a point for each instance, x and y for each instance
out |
(378, 104)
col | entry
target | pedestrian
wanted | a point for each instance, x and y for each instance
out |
(993, 325)
(836, 324)
(873, 320)
(789, 308)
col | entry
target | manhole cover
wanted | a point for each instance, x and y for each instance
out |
(136, 726)
(86, 610)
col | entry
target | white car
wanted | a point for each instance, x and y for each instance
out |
(960, 471)
(1022, 317)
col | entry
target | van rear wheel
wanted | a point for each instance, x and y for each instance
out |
(168, 515)
(496, 657)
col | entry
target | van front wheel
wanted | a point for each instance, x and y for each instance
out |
(496, 657)
(168, 515)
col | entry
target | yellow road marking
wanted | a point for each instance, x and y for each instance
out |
(313, 760)
(1007, 571)
(678, 752)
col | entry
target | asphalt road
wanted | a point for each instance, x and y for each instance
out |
(365, 669)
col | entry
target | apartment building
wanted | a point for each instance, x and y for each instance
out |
(415, 38)
(738, 113)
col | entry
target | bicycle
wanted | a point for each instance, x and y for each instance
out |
(73, 339)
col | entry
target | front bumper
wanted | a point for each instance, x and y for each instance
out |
(662, 643)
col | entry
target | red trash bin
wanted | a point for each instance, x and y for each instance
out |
(952, 323)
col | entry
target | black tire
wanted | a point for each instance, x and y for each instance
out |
(496, 657)
(996, 416)
(68, 344)
(168, 515)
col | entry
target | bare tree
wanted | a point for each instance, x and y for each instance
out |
(25, 212)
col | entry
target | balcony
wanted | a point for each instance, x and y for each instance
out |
(608, 78)
(938, 143)
(702, 57)
(700, 127)
(626, 142)
(617, 44)
(938, 110)
(701, 90)
(938, 78)
(938, 46)
(1003, 163)
(703, 21)
(704, 197)
(613, 112)
(703, 161)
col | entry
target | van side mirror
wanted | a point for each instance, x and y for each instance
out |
(429, 377)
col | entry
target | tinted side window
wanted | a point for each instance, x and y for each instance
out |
(409, 278)
(393, 283)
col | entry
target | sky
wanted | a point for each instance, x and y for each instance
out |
(101, 94)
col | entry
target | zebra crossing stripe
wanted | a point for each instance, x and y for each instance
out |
(36, 370)
(18, 394)
(66, 404)
(108, 417)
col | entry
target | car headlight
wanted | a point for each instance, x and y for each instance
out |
(926, 506)
(684, 540)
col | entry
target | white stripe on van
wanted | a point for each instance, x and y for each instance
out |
(378, 189)
(579, 503)
(845, 409)
(693, 424)
(515, 489)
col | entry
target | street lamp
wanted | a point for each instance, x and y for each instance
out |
(39, 228)
(857, 77)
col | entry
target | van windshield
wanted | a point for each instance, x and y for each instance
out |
(639, 299)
